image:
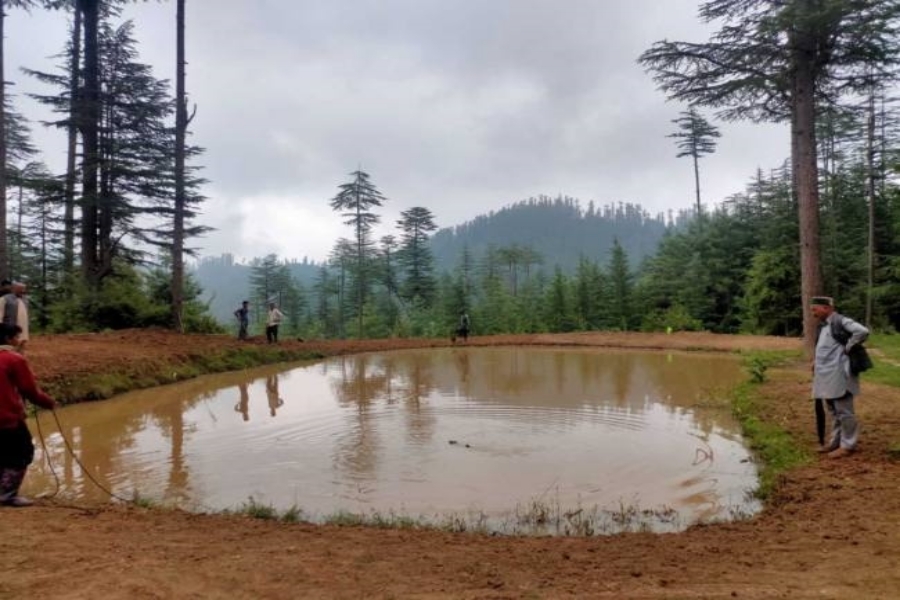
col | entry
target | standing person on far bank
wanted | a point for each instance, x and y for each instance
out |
(15, 312)
(462, 330)
(833, 382)
(273, 320)
(243, 316)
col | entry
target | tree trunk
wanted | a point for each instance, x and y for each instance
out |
(180, 133)
(697, 185)
(89, 123)
(870, 197)
(72, 148)
(4, 251)
(803, 150)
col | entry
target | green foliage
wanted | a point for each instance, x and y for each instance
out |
(253, 508)
(415, 256)
(559, 305)
(756, 366)
(674, 318)
(621, 311)
(776, 448)
(195, 317)
(125, 300)
(771, 295)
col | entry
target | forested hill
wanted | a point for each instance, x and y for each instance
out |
(558, 231)
(553, 231)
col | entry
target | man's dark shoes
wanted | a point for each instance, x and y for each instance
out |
(840, 453)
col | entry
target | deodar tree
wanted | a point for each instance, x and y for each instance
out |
(415, 255)
(4, 120)
(696, 137)
(355, 201)
(780, 61)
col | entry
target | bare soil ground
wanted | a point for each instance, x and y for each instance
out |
(831, 531)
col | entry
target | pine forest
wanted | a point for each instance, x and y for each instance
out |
(112, 241)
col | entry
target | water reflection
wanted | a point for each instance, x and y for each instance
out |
(272, 393)
(423, 432)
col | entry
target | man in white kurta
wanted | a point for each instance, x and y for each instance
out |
(832, 380)
(15, 311)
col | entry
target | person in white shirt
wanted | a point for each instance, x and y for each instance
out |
(273, 320)
(15, 311)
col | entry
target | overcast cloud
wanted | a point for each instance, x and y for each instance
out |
(460, 106)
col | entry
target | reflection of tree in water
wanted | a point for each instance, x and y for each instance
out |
(356, 387)
(513, 370)
(102, 445)
(700, 382)
(170, 417)
(417, 376)
(366, 380)
(98, 445)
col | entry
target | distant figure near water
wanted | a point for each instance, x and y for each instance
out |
(243, 316)
(273, 320)
(462, 329)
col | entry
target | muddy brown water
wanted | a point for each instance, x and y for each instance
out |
(510, 439)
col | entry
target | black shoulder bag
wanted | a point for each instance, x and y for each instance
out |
(858, 355)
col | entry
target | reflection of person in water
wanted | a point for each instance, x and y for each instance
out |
(272, 393)
(243, 406)
(462, 364)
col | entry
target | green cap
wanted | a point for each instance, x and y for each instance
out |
(821, 301)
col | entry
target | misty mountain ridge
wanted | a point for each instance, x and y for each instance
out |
(559, 231)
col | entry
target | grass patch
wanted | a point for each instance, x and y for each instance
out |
(773, 445)
(884, 348)
(345, 518)
(257, 510)
(99, 386)
(757, 362)
(894, 452)
(142, 501)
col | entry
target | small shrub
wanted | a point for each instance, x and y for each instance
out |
(254, 509)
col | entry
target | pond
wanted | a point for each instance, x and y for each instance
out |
(507, 439)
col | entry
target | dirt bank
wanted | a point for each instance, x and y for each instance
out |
(832, 530)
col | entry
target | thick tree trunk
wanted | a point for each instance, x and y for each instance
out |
(870, 196)
(803, 150)
(89, 123)
(697, 185)
(72, 148)
(180, 133)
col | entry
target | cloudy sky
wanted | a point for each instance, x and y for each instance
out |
(461, 106)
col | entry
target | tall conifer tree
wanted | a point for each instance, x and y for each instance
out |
(777, 61)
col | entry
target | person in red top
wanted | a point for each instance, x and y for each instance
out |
(16, 448)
